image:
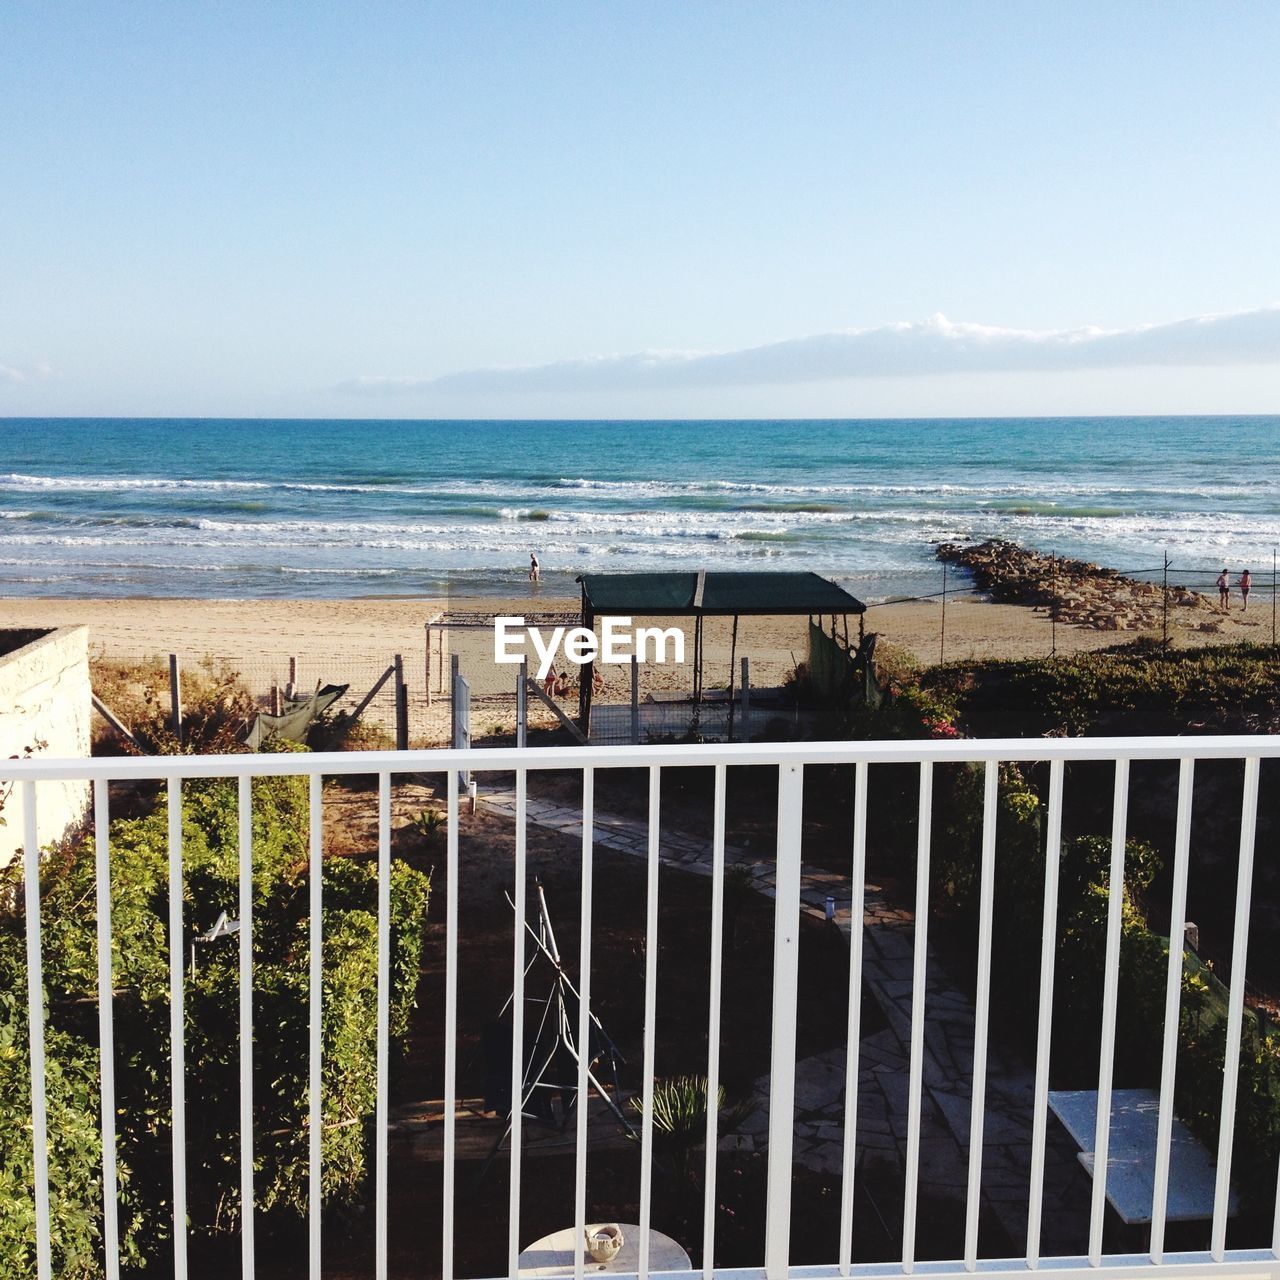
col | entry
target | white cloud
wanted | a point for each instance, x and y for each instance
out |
(15, 375)
(911, 348)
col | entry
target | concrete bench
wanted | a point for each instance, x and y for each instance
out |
(1131, 1154)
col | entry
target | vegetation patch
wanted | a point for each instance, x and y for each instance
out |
(140, 959)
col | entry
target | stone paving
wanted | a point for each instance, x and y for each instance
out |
(883, 1057)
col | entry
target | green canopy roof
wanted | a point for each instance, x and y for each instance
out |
(713, 594)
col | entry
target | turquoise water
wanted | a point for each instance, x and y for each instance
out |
(256, 508)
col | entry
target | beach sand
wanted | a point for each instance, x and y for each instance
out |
(353, 641)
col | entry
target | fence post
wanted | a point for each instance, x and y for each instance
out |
(427, 667)
(1053, 607)
(942, 636)
(175, 697)
(453, 698)
(522, 705)
(402, 705)
(275, 696)
(1165, 618)
(291, 689)
(746, 700)
(635, 700)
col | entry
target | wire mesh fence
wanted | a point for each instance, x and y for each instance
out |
(1165, 600)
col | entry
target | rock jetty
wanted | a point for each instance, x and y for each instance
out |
(1077, 592)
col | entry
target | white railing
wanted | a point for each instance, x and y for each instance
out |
(790, 761)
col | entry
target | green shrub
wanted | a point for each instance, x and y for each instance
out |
(139, 895)
(1142, 688)
(1079, 968)
(217, 709)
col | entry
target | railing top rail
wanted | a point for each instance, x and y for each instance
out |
(680, 755)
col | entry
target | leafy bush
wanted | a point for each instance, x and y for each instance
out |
(140, 949)
(1079, 967)
(1142, 688)
(216, 707)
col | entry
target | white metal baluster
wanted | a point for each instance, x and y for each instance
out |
(853, 1037)
(384, 1025)
(1172, 1004)
(713, 1026)
(177, 1032)
(1275, 1219)
(982, 1013)
(782, 1074)
(106, 1029)
(1110, 992)
(35, 1032)
(1044, 1031)
(315, 1007)
(650, 1019)
(517, 1020)
(450, 1022)
(583, 1044)
(245, 816)
(1235, 1008)
(919, 972)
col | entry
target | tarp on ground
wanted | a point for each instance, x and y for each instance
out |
(296, 718)
(714, 594)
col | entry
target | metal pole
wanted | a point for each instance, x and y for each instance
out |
(635, 699)
(733, 662)
(522, 706)
(942, 638)
(746, 700)
(1166, 598)
(697, 659)
(175, 697)
(1053, 608)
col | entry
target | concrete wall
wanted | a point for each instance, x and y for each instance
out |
(45, 705)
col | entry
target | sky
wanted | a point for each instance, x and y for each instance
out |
(639, 209)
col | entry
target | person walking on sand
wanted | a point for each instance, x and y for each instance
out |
(535, 570)
(1246, 583)
(1224, 591)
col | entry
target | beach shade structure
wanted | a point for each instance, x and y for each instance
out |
(551, 1050)
(706, 595)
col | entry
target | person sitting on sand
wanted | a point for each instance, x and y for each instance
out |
(535, 570)
(1224, 591)
(1246, 582)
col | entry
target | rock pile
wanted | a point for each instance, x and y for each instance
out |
(1077, 592)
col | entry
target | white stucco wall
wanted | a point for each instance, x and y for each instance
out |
(45, 704)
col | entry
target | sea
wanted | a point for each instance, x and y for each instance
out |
(260, 508)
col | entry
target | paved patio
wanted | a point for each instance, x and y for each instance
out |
(888, 952)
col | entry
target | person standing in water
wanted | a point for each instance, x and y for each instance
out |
(1246, 583)
(1224, 591)
(535, 570)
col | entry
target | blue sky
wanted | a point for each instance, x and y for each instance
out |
(379, 210)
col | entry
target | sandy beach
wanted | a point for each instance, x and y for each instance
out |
(353, 640)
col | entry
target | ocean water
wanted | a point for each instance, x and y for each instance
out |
(262, 508)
